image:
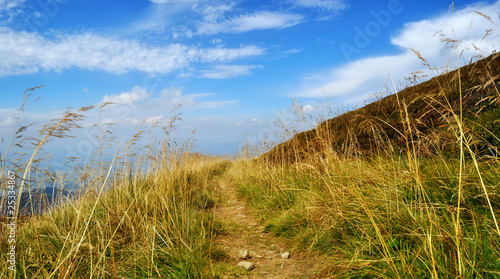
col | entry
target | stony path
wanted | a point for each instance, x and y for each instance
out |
(265, 250)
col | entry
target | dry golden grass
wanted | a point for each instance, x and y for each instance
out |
(383, 195)
(143, 214)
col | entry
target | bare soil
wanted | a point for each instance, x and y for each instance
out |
(244, 232)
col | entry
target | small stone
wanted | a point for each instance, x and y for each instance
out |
(273, 247)
(285, 255)
(243, 254)
(246, 265)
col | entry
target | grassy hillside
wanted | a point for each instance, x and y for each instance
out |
(383, 217)
(422, 118)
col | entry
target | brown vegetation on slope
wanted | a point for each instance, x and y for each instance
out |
(417, 118)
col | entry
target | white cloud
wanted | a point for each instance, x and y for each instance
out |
(25, 53)
(154, 119)
(328, 5)
(27, 117)
(256, 21)
(252, 122)
(359, 78)
(285, 54)
(216, 41)
(173, 96)
(87, 125)
(7, 122)
(465, 25)
(214, 13)
(225, 54)
(256, 120)
(145, 103)
(228, 71)
(289, 52)
(136, 107)
(108, 121)
(364, 76)
(127, 98)
(184, 74)
(134, 121)
(308, 109)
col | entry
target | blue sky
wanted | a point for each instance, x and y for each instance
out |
(231, 65)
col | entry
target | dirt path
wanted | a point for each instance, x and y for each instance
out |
(245, 233)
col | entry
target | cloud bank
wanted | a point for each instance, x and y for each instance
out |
(359, 78)
(255, 21)
(27, 53)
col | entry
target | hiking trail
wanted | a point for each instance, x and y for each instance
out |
(245, 233)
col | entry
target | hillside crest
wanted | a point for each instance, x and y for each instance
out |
(416, 118)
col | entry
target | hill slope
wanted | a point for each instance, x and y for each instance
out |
(417, 118)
